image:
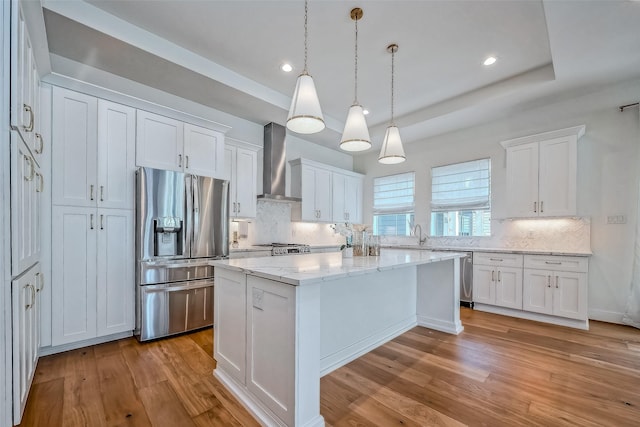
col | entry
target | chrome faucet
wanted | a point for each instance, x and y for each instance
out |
(421, 240)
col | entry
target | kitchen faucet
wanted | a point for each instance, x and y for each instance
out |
(415, 233)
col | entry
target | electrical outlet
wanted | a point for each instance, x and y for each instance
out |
(616, 219)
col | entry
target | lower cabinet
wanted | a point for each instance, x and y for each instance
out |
(556, 285)
(230, 336)
(497, 279)
(26, 336)
(92, 273)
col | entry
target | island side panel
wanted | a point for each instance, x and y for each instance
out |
(438, 303)
(360, 313)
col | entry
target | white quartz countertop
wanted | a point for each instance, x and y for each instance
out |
(496, 250)
(318, 267)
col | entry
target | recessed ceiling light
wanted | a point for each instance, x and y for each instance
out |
(490, 60)
(365, 111)
(286, 68)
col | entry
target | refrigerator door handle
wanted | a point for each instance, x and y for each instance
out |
(188, 216)
(195, 188)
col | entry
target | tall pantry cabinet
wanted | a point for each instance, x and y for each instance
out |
(22, 210)
(92, 217)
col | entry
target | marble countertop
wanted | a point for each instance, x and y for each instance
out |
(312, 268)
(495, 250)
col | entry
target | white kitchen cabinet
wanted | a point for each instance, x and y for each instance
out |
(25, 83)
(497, 279)
(347, 197)
(166, 143)
(556, 286)
(542, 174)
(27, 184)
(25, 335)
(92, 273)
(241, 169)
(93, 151)
(312, 183)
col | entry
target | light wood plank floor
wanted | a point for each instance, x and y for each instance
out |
(499, 372)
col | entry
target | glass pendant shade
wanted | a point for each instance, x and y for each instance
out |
(355, 136)
(305, 115)
(392, 151)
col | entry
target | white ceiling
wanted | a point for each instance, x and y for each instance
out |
(227, 54)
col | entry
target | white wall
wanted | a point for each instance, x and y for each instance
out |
(608, 177)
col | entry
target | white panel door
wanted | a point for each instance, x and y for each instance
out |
(509, 287)
(570, 294)
(74, 232)
(537, 291)
(557, 176)
(116, 155)
(522, 180)
(323, 195)
(159, 142)
(483, 284)
(115, 271)
(74, 143)
(203, 151)
(246, 182)
(339, 209)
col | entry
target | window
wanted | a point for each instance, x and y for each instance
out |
(393, 204)
(461, 199)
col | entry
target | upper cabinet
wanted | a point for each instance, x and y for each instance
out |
(165, 143)
(542, 174)
(25, 83)
(241, 169)
(94, 153)
(347, 197)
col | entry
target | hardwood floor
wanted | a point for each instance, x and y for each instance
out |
(500, 371)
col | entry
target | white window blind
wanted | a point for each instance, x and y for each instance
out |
(394, 193)
(461, 186)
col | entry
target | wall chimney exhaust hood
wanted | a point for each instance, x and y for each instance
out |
(274, 164)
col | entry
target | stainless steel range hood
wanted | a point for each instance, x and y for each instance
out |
(274, 164)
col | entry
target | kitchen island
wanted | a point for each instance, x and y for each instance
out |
(281, 323)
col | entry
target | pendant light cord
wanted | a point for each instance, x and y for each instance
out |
(355, 99)
(393, 54)
(306, 10)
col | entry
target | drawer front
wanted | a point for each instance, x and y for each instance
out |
(558, 263)
(497, 259)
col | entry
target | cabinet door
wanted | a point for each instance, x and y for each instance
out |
(115, 276)
(339, 209)
(570, 294)
(116, 155)
(22, 63)
(23, 181)
(230, 175)
(74, 136)
(353, 199)
(557, 176)
(537, 293)
(246, 181)
(323, 198)
(308, 194)
(73, 296)
(203, 151)
(509, 287)
(522, 180)
(159, 142)
(483, 284)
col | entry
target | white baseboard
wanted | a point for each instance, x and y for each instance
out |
(440, 325)
(46, 351)
(340, 358)
(561, 321)
(605, 315)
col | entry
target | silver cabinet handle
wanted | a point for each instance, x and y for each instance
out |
(32, 168)
(39, 281)
(40, 148)
(496, 259)
(186, 161)
(179, 160)
(548, 281)
(29, 110)
(91, 222)
(541, 206)
(101, 222)
(40, 186)
(499, 276)
(493, 275)
(535, 206)
(91, 192)
(238, 207)
(234, 207)
(28, 306)
(33, 295)
(102, 193)
(553, 262)
(557, 282)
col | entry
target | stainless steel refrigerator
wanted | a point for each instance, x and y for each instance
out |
(181, 225)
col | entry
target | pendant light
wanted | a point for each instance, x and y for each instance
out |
(392, 151)
(305, 115)
(355, 136)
